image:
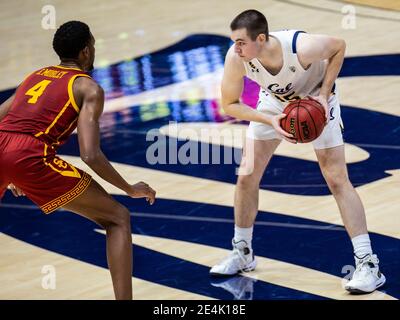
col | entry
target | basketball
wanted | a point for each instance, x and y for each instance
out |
(305, 120)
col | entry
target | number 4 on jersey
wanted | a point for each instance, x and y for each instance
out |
(37, 90)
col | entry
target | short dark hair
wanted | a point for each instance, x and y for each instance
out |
(70, 38)
(254, 22)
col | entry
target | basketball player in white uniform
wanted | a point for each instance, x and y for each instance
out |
(289, 65)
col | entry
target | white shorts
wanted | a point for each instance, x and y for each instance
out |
(330, 137)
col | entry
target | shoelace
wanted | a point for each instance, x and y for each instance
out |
(374, 259)
(362, 267)
(241, 256)
(235, 254)
(361, 271)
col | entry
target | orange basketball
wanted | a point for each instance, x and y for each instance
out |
(305, 120)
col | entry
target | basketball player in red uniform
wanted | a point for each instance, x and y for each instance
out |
(45, 109)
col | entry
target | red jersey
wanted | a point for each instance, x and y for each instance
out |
(44, 105)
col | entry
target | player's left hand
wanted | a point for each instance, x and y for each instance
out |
(17, 192)
(142, 190)
(324, 102)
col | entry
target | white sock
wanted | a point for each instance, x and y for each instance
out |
(243, 234)
(362, 245)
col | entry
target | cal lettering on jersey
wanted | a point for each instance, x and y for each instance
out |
(293, 81)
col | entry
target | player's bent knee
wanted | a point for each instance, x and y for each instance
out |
(120, 216)
(247, 181)
(337, 183)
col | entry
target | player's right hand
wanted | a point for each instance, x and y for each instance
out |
(142, 190)
(276, 124)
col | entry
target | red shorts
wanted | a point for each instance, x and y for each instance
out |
(33, 166)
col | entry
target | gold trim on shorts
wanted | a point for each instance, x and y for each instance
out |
(69, 196)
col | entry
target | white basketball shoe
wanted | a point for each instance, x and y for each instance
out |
(367, 277)
(241, 259)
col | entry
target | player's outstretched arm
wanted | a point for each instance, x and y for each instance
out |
(231, 90)
(91, 97)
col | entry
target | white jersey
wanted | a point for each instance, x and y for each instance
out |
(293, 81)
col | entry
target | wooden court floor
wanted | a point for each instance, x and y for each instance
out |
(161, 66)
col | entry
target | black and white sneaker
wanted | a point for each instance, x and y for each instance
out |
(241, 259)
(367, 277)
